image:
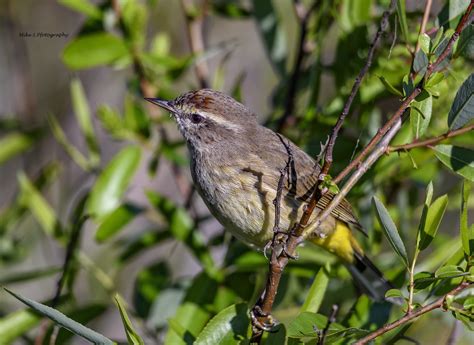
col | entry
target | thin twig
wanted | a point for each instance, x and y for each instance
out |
(194, 24)
(328, 159)
(331, 320)
(424, 21)
(303, 16)
(376, 148)
(430, 141)
(431, 67)
(439, 303)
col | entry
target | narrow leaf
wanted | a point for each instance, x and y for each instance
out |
(467, 234)
(116, 220)
(83, 6)
(13, 144)
(465, 46)
(83, 115)
(458, 159)
(63, 321)
(390, 230)
(420, 116)
(433, 220)
(113, 181)
(38, 206)
(132, 336)
(390, 88)
(228, 327)
(316, 292)
(402, 18)
(426, 206)
(94, 50)
(448, 271)
(14, 325)
(462, 110)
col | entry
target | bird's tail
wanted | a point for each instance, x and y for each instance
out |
(368, 278)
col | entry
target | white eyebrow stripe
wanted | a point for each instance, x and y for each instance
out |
(220, 120)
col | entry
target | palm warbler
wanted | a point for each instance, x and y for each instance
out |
(236, 165)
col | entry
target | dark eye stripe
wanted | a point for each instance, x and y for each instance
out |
(196, 118)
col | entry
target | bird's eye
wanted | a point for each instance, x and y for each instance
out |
(196, 118)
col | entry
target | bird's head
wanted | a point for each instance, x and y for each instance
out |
(207, 118)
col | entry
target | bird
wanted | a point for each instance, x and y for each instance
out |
(236, 166)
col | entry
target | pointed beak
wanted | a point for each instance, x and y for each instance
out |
(167, 105)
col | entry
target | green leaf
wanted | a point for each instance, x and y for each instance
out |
(276, 44)
(448, 271)
(94, 50)
(83, 6)
(71, 150)
(16, 324)
(38, 206)
(135, 118)
(433, 220)
(462, 110)
(116, 220)
(426, 206)
(390, 88)
(402, 18)
(132, 336)
(420, 63)
(316, 292)
(107, 191)
(390, 230)
(465, 46)
(148, 285)
(422, 280)
(420, 116)
(13, 144)
(458, 159)
(394, 293)
(467, 234)
(306, 325)
(83, 116)
(227, 327)
(424, 41)
(63, 321)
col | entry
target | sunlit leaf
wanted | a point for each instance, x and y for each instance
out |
(458, 159)
(316, 292)
(228, 327)
(390, 230)
(467, 233)
(420, 116)
(107, 191)
(116, 220)
(448, 271)
(13, 144)
(433, 220)
(83, 6)
(132, 336)
(38, 206)
(83, 116)
(390, 87)
(94, 50)
(14, 325)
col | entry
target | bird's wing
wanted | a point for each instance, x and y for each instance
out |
(302, 177)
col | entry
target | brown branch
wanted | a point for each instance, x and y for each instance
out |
(439, 303)
(328, 159)
(303, 16)
(430, 141)
(374, 149)
(331, 320)
(431, 67)
(194, 25)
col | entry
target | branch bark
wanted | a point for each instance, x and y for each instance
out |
(439, 303)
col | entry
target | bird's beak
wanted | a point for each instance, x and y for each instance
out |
(167, 105)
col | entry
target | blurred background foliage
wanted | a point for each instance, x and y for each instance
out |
(96, 196)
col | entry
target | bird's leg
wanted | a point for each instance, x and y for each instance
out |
(255, 313)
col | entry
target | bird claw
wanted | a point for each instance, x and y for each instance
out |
(267, 324)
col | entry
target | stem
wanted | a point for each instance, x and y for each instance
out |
(424, 21)
(412, 281)
(409, 317)
(430, 141)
